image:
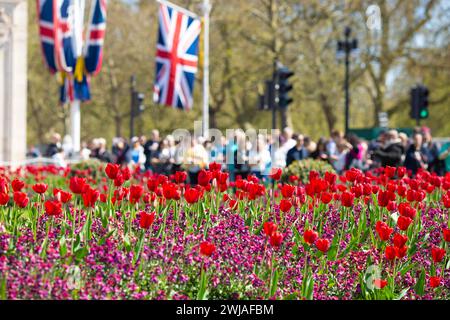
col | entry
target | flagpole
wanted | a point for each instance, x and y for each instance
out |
(75, 125)
(206, 10)
(75, 112)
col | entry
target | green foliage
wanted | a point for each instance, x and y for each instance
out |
(302, 169)
(91, 166)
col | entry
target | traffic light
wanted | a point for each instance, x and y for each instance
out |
(138, 103)
(423, 107)
(419, 102)
(283, 86)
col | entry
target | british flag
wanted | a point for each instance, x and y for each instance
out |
(176, 57)
(55, 30)
(94, 45)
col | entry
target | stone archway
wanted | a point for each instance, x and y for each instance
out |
(13, 80)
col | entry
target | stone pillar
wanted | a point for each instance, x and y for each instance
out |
(13, 80)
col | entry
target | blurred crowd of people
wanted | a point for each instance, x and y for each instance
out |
(241, 157)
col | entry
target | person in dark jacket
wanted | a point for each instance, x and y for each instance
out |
(321, 150)
(53, 146)
(298, 152)
(415, 155)
(391, 153)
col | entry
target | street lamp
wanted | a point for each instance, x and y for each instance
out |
(345, 48)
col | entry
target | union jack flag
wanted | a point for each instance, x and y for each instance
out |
(94, 45)
(176, 57)
(55, 30)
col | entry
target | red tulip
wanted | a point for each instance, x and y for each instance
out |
(420, 195)
(310, 236)
(126, 173)
(180, 176)
(392, 206)
(446, 233)
(323, 245)
(406, 210)
(400, 252)
(17, 184)
(446, 201)
(269, 228)
(40, 188)
(3, 185)
(326, 197)
(275, 173)
(383, 230)
(390, 253)
(4, 198)
(112, 170)
(119, 180)
(401, 190)
(136, 192)
(233, 204)
(103, 197)
(53, 207)
(401, 171)
(207, 248)
(170, 191)
(403, 222)
(90, 196)
(192, 195)
(389, 171)
(285, 205)
(330, 178)
(435, 282)
(384, 197)
(20, 199)
(352, 174)
(287, 191)
(347, 199)
(214, 166)
(77, 185)
(152, 184)
(380, 283)
(400, 240)
(204, 178)
(62, 195)
(276, 239)
(375, 189)
(437, 254)
(146, 219)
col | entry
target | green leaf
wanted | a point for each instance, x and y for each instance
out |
(201, 294)
(332, 253)
(62, 247)
(420, 285)
(127, 243)
(81, 253)
(3, 295)
(138, 247)
(258, 231)
(103, 239)
(310, 288)
(273, 283)
(77, 243)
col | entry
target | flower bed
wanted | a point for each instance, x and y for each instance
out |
(112, 233)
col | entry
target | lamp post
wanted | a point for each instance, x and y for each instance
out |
(346, 47)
